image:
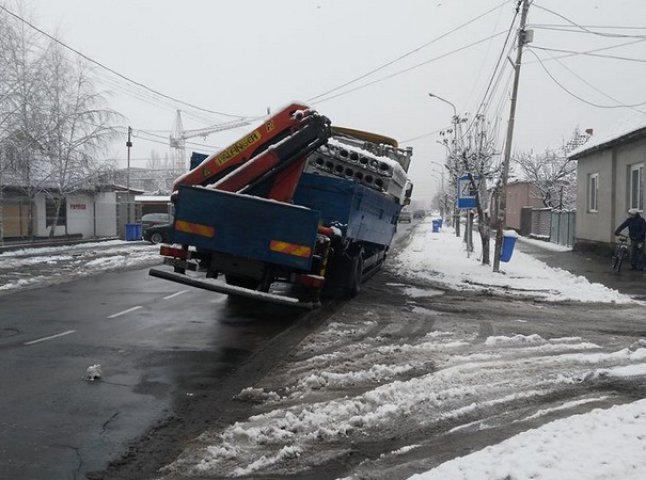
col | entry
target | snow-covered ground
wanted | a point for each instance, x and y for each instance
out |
(37, 267)
(403, 375)
(442, 258)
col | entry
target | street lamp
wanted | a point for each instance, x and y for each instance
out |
(455, 112)
(456, 120)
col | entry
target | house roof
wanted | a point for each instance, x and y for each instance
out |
(630, 129)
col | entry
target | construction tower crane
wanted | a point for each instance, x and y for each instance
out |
(179, 136)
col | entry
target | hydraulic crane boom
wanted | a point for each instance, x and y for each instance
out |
(274, 129)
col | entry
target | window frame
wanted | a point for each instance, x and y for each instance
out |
(638, 202)
(593, 193)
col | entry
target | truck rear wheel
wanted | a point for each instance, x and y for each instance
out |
(356, 275)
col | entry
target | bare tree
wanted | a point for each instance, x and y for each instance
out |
(552, 173)
(477, 160)
(23, 65)
(78, 126)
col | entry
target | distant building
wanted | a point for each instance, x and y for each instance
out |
(100, 208)
(520, 195)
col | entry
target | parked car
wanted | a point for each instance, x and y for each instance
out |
(157, 227)
(419, 214)
(405, 215)
(159, 233)
(151, 219)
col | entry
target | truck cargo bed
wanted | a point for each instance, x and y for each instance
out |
(361, 213)
(246, 226)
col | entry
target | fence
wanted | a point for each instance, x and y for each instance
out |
(557, 226)
(541, 222)
(562, 227)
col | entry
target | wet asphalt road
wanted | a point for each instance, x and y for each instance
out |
(158, 343)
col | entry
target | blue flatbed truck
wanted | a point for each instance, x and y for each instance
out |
(290, 220)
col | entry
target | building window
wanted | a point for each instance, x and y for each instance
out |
(593, 192)
(636, 199)
(50, 212)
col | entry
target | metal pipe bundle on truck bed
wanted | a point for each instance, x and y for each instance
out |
(249, 214)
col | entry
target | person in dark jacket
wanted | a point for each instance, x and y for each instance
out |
(637, 233)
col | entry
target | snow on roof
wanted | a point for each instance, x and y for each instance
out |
(630, 125)
(152, 198)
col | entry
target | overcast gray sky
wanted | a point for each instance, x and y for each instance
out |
(241, 57)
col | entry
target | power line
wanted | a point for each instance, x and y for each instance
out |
(565, 89)
(569, 29)
(406, 70)
(401, 57)
(581, 27)
(408, 140)
(590, 54)
(614, 27)
(494, 75)
(485, 59)
(572, 54)
(114, 72)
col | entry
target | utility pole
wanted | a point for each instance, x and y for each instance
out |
(502, 200)
(128, 145)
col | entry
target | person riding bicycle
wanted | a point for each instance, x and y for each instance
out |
(637, 233)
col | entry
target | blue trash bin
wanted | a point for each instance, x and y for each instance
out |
(133, 231)
(508, 241)
(436, 225)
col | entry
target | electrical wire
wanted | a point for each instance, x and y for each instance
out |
(593, 86)
(406, 70)
(590, 54)
(114, 72)
(485, 59)
(573, 53)
(407, 54)
(571, 29)
(494, 75)
(581, 27)
(614, 27)
(424, 135)
(569, 92)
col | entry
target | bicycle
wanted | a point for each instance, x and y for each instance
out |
(621, 253)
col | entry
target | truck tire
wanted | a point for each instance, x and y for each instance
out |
(355, 275)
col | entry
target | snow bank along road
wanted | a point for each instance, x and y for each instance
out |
(40, 267)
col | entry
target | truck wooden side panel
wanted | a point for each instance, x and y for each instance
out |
(246, 226)
(362, 214)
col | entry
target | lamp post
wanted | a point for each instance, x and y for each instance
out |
(128, 145)
(454, 153)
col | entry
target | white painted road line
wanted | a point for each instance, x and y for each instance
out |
(125, 311)
(44, 339)
(176, 294)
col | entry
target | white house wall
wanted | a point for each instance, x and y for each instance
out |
(90, 216)
(613, 166)
(594, 226)
(627, 156)
(80, 215)
(106, 214)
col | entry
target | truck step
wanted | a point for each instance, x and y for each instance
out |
(217, 286)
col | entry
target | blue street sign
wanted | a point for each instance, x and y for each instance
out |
(466, 192)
